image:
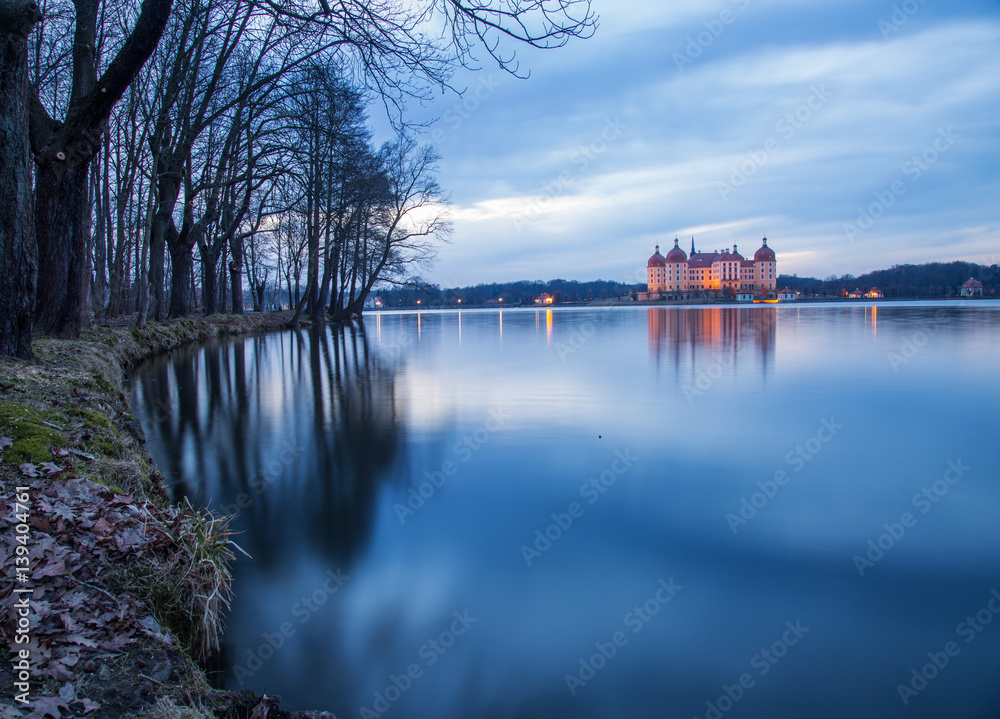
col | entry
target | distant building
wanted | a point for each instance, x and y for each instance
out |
(788, 294)
(972, 288)
(678, 275)
(873, 294)
(375, 302)
(544, 300)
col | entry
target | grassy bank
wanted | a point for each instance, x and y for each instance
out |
(127, 592)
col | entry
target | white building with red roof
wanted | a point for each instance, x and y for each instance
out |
(972, 288)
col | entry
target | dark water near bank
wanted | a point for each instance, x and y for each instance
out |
(637, 512)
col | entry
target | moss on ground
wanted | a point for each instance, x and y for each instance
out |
(32, 431)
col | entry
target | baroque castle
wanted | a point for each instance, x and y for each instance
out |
(724, 272)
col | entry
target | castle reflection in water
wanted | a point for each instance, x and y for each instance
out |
(702, 339)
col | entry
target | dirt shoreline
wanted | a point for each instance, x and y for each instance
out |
(126, 591)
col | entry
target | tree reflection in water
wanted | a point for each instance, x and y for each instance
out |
(296, 425)
(292, 432)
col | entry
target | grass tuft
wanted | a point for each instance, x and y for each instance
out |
(166, 708)
(188, 584)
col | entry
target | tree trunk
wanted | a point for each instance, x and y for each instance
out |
(221, 281)
(209, 278)
(18, 251)
(236, 285)
(258, 306)
(117, 268)
(62, 221)
(168, 188)
(63, 152)
(181, 275)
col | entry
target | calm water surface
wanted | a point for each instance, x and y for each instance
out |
(630, 512)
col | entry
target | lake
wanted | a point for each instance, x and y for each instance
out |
(766, 511)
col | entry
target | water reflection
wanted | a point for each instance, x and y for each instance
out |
(428, 462)
(302, 423)
(691, 339)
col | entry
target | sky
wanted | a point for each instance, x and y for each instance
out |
(854, 135)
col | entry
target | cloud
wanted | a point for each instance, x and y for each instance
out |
(687, 132)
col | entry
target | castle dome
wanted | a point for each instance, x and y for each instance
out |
(764, 254)
(657, 259)
(676, 254)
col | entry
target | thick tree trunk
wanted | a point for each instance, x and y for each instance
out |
(160, 236)
(209, 282)
(157, 265)
(222, 281)
(181, 275)
(236, 271)
(62, 221)
(116, 274)
(258, 305)
(236, 286)
(63, 152)
(18, 251)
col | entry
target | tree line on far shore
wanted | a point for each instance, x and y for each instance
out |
(933, 279)
(524, 292)
(158, 157)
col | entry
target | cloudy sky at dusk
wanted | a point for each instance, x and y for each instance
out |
(730, 120)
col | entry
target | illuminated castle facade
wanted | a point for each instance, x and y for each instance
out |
(721, 272)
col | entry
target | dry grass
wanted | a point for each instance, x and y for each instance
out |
(202, 573)
(129, 475)
(166, 708)
(186, 579)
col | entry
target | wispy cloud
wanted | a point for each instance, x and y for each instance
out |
(687, 131)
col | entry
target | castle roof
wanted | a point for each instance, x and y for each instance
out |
(764, 254)
(676, 254)
(703, 259)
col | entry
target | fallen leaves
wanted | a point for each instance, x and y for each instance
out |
(78, 530)
(50, 468)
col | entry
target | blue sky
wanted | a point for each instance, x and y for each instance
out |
(854, 135)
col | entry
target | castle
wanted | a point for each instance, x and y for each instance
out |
(719, 273)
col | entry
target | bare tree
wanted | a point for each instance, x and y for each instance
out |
(63, 151)
(129, 183)
(409, 220)
(106, 227)
(18, 251)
